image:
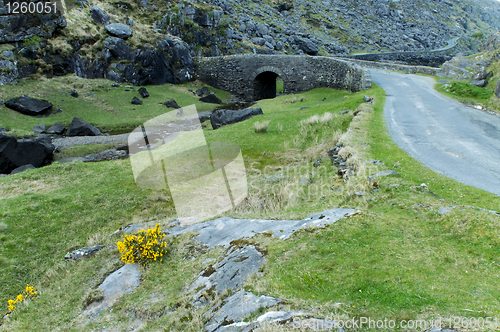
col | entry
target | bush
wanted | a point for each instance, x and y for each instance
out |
(28, 293)
(146, 246)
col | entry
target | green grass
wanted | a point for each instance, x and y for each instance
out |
(464, 91)
(397, 259)
(107, 107)
(82, 150)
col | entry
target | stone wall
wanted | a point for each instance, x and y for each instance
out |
(239, 74)
(396, 67)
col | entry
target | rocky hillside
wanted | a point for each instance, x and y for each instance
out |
(154, 42)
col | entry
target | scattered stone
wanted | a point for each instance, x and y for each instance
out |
(136, 101)
(344, 112)
(83, 252)
(171, 104)
(230, 273)
(79, 127)
(22, 169)
(221, 118)
(367, 99)
(74, 94)
(211, 98)
(497, 89)
(374, 162)
(321, 99)
(119, 30)
(57, 129)
(382, 173)
(317, 162)
(99, 16)
(123, 281)
(394, 185)
(305, 181)
(443, 81)
(111, 154)
(39, 128)
(143, 92)
(238, 306)
(204, 116)
(29, 106)
(360, 193)
(439, 329)
(202, 92)
(422, 187)
(445, 210)
(223, 230)
(479, 83)
(14, 154)
(115, 85)
(179, 113)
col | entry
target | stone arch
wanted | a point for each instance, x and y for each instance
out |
(264, 82)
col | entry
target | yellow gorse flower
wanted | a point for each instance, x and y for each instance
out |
(148, 245)
(28, 293)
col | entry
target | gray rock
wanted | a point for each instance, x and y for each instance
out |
(39, 128)
(119, 30)
(360, 193)
(367, 99)
(480, 83)
(202, 92)
(374, 162)
(344, 112)
(445, 210)
(14, 153)
(382, 173)
(111, 154)
(122, 281)
(443, 81)
(99, 16)
(258, 41)
(306, 45)
(221, 118)
(79, 127)
(73, 94)
(171, 103)
(29, 106)
(480, 75)
(136, 101)
(238, 306)
(83, 252)
(497, 90)
(117, 47)
(223, 230)
(230, 273)
(22, 169)
(211, 98)
(56, 128)
(129, 22)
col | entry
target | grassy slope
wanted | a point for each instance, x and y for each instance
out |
(399, 259)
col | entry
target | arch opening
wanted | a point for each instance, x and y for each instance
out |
(265, 85)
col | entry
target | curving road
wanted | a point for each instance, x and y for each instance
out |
(458, 141)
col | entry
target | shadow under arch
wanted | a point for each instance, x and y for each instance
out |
(264, 82)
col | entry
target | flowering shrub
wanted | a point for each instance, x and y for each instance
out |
(29, 293)
(145, 247)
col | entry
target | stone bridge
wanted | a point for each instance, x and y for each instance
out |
(253, 77)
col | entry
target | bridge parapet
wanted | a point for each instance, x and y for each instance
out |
(247, 76)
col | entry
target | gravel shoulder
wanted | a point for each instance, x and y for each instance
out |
(65, 142)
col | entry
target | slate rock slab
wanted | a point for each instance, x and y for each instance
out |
(118, 47)
(143, 92)
(29, 106)
(171, 103)
(222, 231)
(22, 169)
(382, 173)
(479, 83)
(221, 118)
(203, 92)
(83, 252)
(99, 16)
(57, 129)
(14, 154)
(497, 89)
(79, 127)
(136, 101)
(39, 128)
(119, 30)
(445, 210)
(122, 281)
(230, 273)
(238, 306)
(110, 154)
(211, 98)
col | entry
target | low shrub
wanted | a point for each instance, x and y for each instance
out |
(143, 248)
(28, 293)
(260, 127)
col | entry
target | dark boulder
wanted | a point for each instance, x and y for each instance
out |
(99, 15)
(73, 94)
(56, 128)
(480, 75)
(479, 83)
(14, 154)
(22, 169)
(204, 116)
(136, 101)
(17, 27)
(79, 127)
(221, 118)
(306, 45)
(117, 47)
(119, 30)
(203, 91)
(171, 103)
(211, 98)
(29, 106)
(39, 128)
(143, 92)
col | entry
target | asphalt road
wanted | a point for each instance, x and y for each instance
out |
(458, 141)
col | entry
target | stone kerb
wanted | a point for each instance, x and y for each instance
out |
(408, 69)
